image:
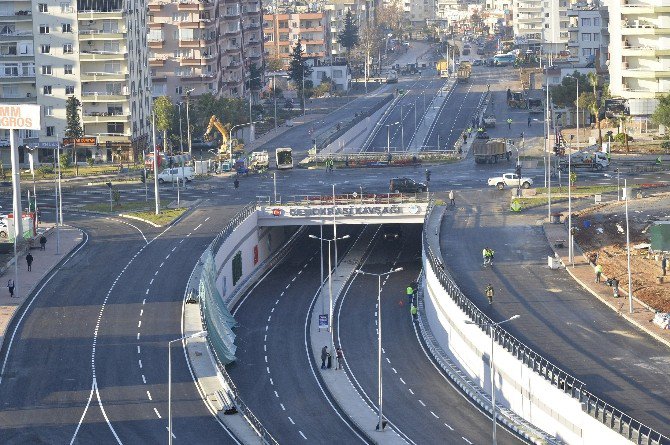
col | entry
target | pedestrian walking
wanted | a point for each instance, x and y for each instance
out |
(465, 138)
(452, 201)
(236, 183)
(10, 286)
(615, 287)
(599, 272)
(509, 123)
(529, 120)
(489, 293)
(664, 264)
(410, 294)
(324, 356)
(29, 260)
(340, 359)
(427, 175)
(43, 242)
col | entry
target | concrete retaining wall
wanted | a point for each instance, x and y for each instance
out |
(517, 386)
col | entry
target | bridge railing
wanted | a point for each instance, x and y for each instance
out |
(599, 409)
(352, 199)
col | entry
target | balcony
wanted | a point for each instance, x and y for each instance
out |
(103, 117)
(644, 73)
(231, 13)
(195, 24)
(111, 137)
(15, 99)
(99, 34)
(104, 76)
(155, 43)
(16, 35)
(232, 49)
(158, 61)
(191, 43)
(18, 78)
(640, 94)
(198, 77)
(116, 14)
(189, 6)
(155, 7)
(231, 32)
(573, 43)
(92, 97)
(101, 56)
(17, 56)
(192, 61)
(16, 16)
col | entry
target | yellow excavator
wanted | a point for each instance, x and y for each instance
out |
(224, 150)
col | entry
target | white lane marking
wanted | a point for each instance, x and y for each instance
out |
(138, 349)
(272, 381)
(266, 328)
(144, 379)
(168, 256)
(139, 323)
(155, 273)
(276, 302)
(266, 359)
(267, 368)
(174, 248)
(269, 318)
(387, 359)
(272, 310)
(293, 279)
(276, 395)
(162, 263)
(265, 338)
(434, 415)
(149, 395)
(181, 241)
(466, 440)
(138, 335)
(291, 420)
(187, 235)
(403, 382)
(448, 426)
(197, 227)
(421, 402)
(145, 300)
(207, 219)
(146, 292)
(281, 295)
(282, 407)
(394, 370)
(157, 413)
(299, 272)
(141, 312)
(411, 392)
(265, 348)
(288, 285)
(303, 436)
(151, 282)
(140, 362)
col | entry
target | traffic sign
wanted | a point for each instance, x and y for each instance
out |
(323, 321)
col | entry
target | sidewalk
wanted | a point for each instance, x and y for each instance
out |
(338, 383)
(583, 273)
(44, 262)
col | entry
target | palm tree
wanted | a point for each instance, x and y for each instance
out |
(593, 80)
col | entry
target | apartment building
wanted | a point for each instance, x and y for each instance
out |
(639, 63)
(588, 35)
(203, 46)
(93, 50)
(281, 32)
(541, 22)
(363, 12)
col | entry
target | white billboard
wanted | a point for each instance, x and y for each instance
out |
(20, 117)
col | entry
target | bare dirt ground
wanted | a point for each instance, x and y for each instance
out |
(607, 237)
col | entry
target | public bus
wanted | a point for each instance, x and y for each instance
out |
(284, 158)
(504, 59)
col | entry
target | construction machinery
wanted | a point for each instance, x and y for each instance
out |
(442, 67)
(228, 146)
(464, 71)
(490, 151)
(516, 100)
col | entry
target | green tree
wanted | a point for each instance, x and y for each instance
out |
(274, 64)
(73, 127)
(595, 106)
(164, 111)
(661, 115)
(298, 71)
(255, 82)
(564, 95)
(348, 37)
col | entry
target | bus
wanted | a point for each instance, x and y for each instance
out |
(504, 59)
(284, 158)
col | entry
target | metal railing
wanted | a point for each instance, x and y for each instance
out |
(351, 199)
(614, 418)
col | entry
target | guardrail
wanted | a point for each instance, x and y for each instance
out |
(233, 393)
(607, 414)
(351, 199)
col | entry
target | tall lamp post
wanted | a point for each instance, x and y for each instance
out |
(570, 237)
(388, 136)
(330, 285)
(196, 335)
(181, 139)
(380, 420)
(188, 122)
(491, 326)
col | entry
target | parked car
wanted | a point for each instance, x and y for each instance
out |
(176, 174)
(406, 185)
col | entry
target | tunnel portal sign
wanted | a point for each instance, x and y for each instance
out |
(345, 211)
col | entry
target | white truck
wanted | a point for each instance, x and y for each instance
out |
(510, 180)
(582, 159)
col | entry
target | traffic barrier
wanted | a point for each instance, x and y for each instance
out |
(554, 402)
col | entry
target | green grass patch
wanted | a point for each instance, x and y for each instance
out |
(579, 190)
(529, 203)
(165, 217)
(125, 207)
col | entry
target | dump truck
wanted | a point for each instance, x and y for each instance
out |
(442, 68)
(593, 160)
(490, 151)
(535, 104)
(463, 73)
(516, 100)
(259, 160)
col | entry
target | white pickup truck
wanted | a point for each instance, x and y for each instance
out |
(510, 180)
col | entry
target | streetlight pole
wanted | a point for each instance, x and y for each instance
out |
(380, 401)
(197, 334)
(330, 285)
(188, 122)
(274, 95)
(491, 326)
(181, 139)
(156, 154)
(388, 136)
(630, 281)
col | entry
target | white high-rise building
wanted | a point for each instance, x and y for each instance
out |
(639, 63)
(588, 33)
(541, 21)
(94, 50)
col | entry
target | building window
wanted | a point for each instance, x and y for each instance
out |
(46, 89)
(42, 7)
(68, 69)
(45, 49)
(46, 69)
(596, 37)
(596, 21)
(51, 131)
(67, 48)
(44, 29)
(178, 90)
(586, 37)
(69, 89)
(49, 110)
(586, 22)
(115, 127)
(65, 8)
(66, 27)
(586, 51)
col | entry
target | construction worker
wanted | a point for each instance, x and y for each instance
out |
(509, 123)
(413, 311)
(489, 293)
(410, 293)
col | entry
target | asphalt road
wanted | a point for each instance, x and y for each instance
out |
(419, 400)
(121, 298)
(273, 372)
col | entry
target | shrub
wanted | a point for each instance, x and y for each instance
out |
(90, 161)
(665, 145)
(621, 137)
(64, 159)
(45, 169)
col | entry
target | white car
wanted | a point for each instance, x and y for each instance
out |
(176, 174)
(510, 180)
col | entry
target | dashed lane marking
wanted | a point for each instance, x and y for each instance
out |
(303, 436)
(411, 392)
(282, 407)
(403, 382)
(149, 395)
(466, 440)
(157, 413)
(421, 402)
(291, 420)
(435, 415)
(394, 370)
(197, 227)
(139, 323)
(276, 395)
(138, 349)
(162, 264)
(448, 426)
(140, 363)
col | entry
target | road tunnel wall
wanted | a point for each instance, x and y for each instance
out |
(530, 394)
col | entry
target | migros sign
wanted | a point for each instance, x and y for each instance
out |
(20, 117)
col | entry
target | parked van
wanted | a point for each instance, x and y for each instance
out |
(176, 174)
